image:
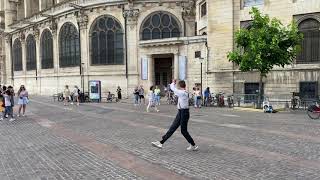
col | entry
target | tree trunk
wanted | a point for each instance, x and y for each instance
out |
(259, 102)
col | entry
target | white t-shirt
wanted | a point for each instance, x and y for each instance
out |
(7, 101)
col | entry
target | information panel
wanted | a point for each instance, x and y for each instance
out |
(144, 68)
(182, 67)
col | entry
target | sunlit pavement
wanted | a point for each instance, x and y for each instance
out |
(113, 141)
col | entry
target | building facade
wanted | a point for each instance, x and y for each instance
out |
(123, 43)
(223, 18)
(51, 43)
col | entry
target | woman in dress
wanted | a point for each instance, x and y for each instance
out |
(119, 93)
(23, 100)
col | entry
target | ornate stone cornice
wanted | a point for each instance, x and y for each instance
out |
(131, 13)
(22, 37)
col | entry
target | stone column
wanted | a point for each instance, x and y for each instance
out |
(189, 16)
(82, 20)
(131, 16)
(24, 57)
(176, 66)
(8, 65)
(10, 13)
(36, 33)
(53, 28)
(150, 70)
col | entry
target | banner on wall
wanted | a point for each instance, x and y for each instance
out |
(144, 68)
(182, 67)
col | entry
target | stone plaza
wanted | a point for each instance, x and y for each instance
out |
(113, 141)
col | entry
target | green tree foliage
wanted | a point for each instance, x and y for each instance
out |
(265, 44)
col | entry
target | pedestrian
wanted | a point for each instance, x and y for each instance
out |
(2, 105)
(12, 94)
(157, 93)
(23, 100)
(182, 117)
(75, 94)
(3, 90)
(206, 96)
(66, 95)
(119, 93)
(136, 95)
(197, 94)
(152, 100)
(8, 96)
(141, 95)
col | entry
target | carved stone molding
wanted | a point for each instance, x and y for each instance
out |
(131, 15)
(36, 32)
(188, 8)
(22, 37)
(82, 20)
(8, 38)
(53, 27)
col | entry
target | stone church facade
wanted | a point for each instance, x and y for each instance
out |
(51, 43)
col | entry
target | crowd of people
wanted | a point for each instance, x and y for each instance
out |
(7, 101)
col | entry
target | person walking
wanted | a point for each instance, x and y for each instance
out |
(181, 119)
(206, 96)
(119, 93)
(141, 95)
(23, 100)
(136, 96)
(2, 105)
(197, 94)
(157, 93)
(66, 95)
(152, 100)
(8, 96)
(75, 94)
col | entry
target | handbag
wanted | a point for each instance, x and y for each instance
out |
(198, 97)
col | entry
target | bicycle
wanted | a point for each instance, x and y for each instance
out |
(313, 111)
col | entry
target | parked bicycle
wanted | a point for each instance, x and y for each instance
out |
(171, 98)
(313, 111)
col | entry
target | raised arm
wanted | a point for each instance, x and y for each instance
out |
(176, 91)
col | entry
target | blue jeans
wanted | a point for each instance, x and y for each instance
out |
(197, 101)
(136, 99)
(8, 111)
(158, 99)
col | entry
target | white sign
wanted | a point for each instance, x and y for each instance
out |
(182, 67)
(144, 68)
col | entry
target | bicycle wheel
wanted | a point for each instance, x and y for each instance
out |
(312, 112)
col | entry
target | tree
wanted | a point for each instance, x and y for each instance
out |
(265, 44)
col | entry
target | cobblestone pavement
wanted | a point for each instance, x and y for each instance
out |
(112, 141)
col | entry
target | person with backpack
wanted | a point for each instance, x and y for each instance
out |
(181, 119)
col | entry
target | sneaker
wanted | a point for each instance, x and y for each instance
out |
(193, 148)
(71, 103)
(157, 144)
(23, 115)
(1, 119)
(6, 116)
(12, 119)
(18, 115)
(158, 110)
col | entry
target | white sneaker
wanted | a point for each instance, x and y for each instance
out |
(12, 119)
(158, 110)
(1, 119)
(23, 115)
(193, 148)
(18, 115)
(157, 144)
(7, 116)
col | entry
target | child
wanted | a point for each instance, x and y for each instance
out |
(8, 104)
(182, 117)
(152, 100)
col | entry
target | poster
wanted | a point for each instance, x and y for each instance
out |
(182, 67)
(94, 90)
(144, 68)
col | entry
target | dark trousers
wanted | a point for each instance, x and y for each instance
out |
(182, 119)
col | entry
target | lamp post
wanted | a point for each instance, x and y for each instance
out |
(201, 61)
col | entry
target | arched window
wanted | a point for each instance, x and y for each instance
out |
(160, 25)
(46, 50)
(106, 40)
(69, 46)
(311, 41)
(31, 53)
(17, 55)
